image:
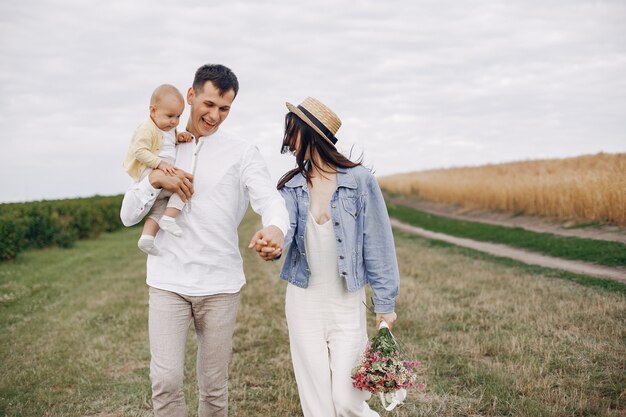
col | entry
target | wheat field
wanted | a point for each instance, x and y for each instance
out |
(585, 189)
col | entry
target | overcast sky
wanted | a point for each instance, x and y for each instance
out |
(418, 84)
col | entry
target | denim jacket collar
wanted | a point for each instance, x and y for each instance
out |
(345, 178)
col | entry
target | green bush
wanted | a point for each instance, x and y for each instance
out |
(12, 234)
(40, 224)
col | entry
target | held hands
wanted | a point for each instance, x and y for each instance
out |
(183, 137)
(390, 319)
(268, 242)
(169, 169)
(180, 183)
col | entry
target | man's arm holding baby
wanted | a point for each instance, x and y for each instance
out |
(168, 168)
(140, 196)
(180, 183)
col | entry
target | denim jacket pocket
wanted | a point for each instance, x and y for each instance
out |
(351, 205)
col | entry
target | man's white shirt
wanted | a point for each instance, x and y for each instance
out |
(229, 173)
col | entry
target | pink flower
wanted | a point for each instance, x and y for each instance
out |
(382, 368)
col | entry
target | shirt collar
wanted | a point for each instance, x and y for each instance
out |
(344, 179)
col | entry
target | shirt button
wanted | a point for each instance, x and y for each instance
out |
(336, 223)
(333, 205)
(340, 256)
(338, 239)
(344, 273)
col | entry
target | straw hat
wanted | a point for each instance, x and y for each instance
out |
(322, 119)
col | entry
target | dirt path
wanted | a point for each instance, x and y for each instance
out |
(532, 223)
(518, 254)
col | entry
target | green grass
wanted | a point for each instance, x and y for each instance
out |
(73, 325)
(495, 339)
(595, 251)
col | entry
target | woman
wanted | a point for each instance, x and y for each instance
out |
(340, 239)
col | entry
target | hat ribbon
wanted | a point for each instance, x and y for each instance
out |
(319, 125)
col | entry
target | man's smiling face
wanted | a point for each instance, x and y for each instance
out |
(208, 109)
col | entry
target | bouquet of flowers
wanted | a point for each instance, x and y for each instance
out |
(383, 370)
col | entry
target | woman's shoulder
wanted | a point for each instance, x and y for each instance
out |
(361, 173)
(296, 180)
(360, 170)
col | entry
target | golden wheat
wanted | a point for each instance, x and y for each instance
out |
(589, 188)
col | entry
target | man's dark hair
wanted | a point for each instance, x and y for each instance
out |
(222, 78)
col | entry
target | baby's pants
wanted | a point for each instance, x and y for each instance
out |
(164, 200)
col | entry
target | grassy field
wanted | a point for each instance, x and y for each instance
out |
(589, 188)
(566, 247)
(495, 339)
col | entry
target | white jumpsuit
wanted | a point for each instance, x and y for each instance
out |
(327, 332)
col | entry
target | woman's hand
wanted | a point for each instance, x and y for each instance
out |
(268, 242)
(390, 319)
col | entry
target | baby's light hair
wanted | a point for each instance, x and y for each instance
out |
(163, 90)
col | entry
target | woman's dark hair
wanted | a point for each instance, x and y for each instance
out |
(316, 145)
(222, 78)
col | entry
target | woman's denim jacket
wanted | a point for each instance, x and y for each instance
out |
(365, 248)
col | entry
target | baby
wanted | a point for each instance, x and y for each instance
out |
(153, 146)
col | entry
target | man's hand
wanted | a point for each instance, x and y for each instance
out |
(268, 242)
(169, 169)
(180, 183)
(183, 137)
(390, 319)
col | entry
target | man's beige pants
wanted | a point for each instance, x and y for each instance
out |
(169, 315)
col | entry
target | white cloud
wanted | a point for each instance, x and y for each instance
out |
(418, 84)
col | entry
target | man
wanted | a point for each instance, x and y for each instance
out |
(198, 276)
